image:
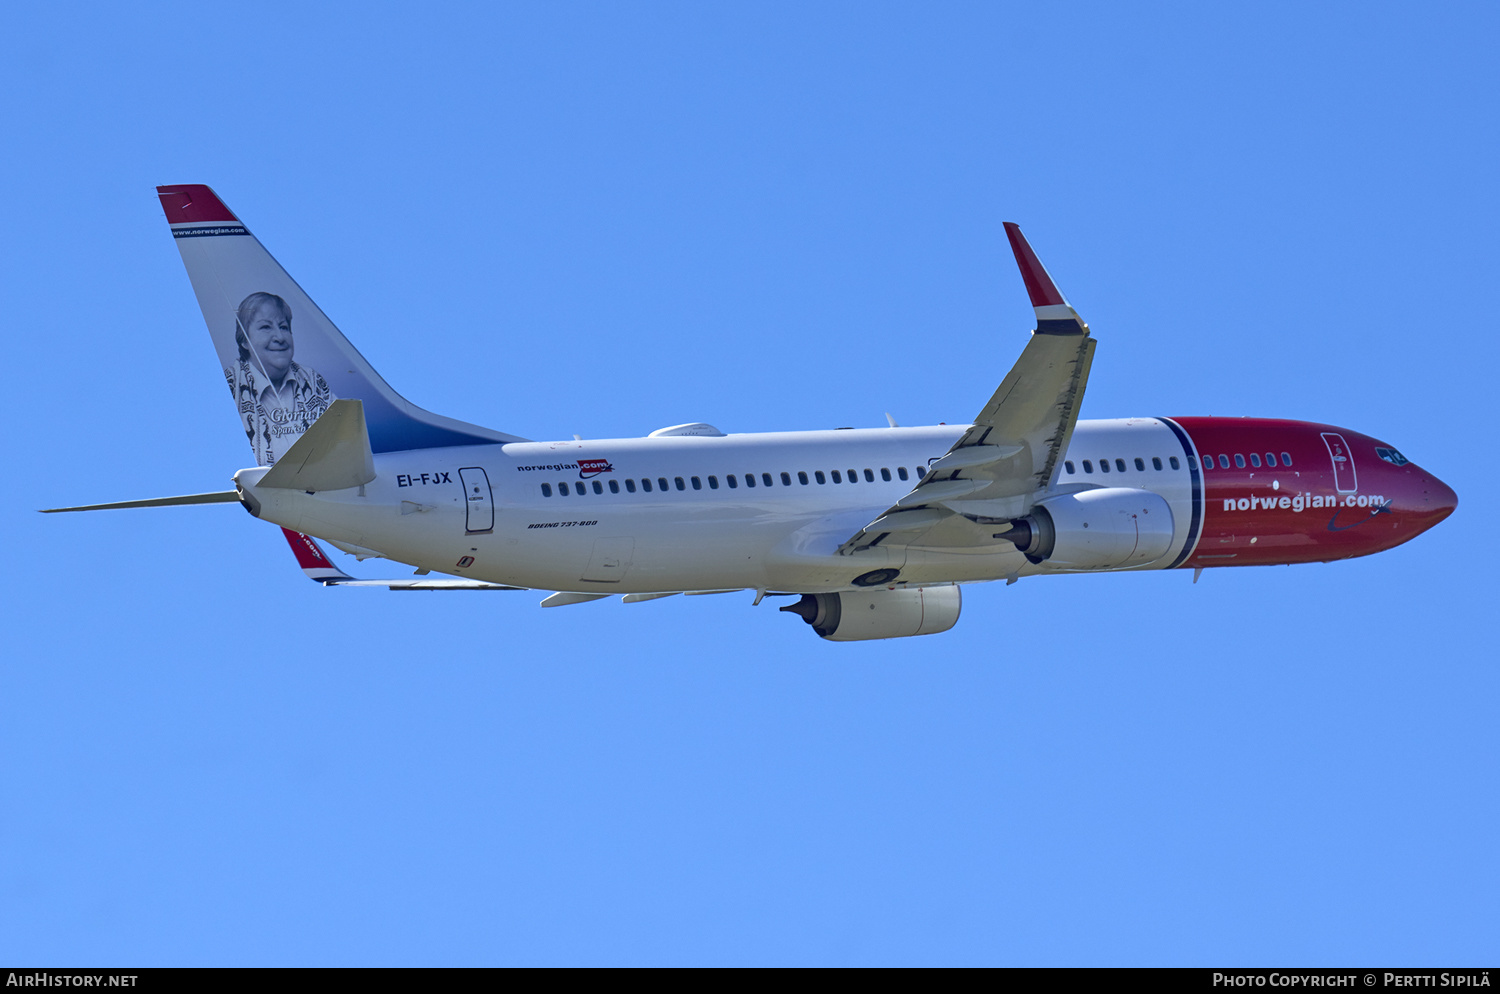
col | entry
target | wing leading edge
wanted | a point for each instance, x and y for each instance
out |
(1009, 455)
(316, 564)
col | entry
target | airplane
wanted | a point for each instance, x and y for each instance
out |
(873, 530)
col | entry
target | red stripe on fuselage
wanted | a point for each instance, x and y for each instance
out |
(1305, 511)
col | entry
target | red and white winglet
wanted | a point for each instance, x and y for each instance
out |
(1054, 315)
(316, 565)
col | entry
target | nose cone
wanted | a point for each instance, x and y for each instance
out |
(1439, 498)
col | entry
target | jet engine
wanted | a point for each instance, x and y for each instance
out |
(855, 616)
(1108, 528)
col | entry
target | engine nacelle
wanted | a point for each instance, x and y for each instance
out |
(1109, 528)
(880, 614)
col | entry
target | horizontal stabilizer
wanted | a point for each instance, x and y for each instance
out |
(334, 454)
(218, 497)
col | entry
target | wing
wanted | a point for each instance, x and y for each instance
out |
(996, 469)
(316, 564)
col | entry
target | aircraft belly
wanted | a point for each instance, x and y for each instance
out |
(677, 549)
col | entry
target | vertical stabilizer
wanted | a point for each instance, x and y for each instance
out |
(285, 362)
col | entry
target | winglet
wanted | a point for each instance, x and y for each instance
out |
(1054, 315)
(311, 558)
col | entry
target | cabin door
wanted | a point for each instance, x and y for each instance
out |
(1344, 480)
(479, 501)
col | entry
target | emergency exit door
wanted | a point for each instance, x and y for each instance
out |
(479, 502)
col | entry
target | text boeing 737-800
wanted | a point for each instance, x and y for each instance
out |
(875, 529)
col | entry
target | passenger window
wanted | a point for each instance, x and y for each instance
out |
(885, 474)
(1239, 460)
(614, 486)
(1208, 462)
(733, 483)
(646, 484)
(697, 484)
(630, 485)
(786, 479)
(1088, 466)
(1104, 465)
(713, 483)
(802, 478)
(598, 487)
(749, 479)
(1255, 459)
(900, 471)
(546, 490)
(1069, 467)
(1286, 459)
(1120, 465)
(562, 488)
(1156, 463)
(766, 479)
(1223, 461)
(1172, 461)
(579, 489)
(838, 477)
(818, 475)
(869, 475)
(1140, 464)
(1270, 459)
(680, 484)
(854, 476)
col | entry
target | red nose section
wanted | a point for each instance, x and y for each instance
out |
(1440, 498)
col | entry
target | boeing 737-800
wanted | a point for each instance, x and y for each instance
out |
(874, 530)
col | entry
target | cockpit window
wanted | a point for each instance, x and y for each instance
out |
(1391, 456)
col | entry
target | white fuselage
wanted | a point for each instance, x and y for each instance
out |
(578, 515)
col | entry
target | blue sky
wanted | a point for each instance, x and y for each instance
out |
(603, 219)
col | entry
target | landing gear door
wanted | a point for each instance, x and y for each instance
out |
(479, 501)
(1344, 480)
